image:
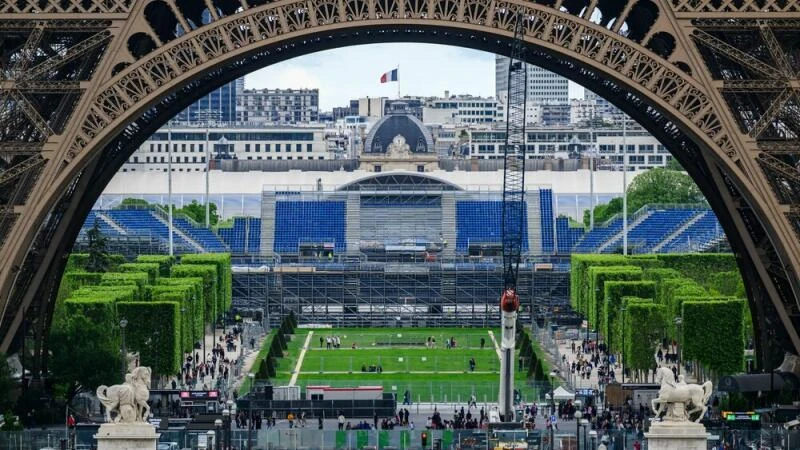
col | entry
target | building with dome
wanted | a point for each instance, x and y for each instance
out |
(399, 141)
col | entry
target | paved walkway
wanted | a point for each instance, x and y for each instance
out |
(496, 346)
(296, 372)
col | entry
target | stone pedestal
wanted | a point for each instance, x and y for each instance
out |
(677, 436)
(126, 436)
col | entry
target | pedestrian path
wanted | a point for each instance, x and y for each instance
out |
(496, 346)
(300, 359)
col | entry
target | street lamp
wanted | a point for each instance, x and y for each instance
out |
(578, 416)
(210, 435)
(226, 417)
(678, 323)
(122, 324)
(250, 426)
(552, 409)
(622, 357)
(585, 423)
(230, 424)
(218, 432)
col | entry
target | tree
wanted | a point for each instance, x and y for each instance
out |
(657, 185)
(7, 384)
(673, 164)
(661, 185)
(98, 256)
(132, 202)
(84, 355)
(197, 212)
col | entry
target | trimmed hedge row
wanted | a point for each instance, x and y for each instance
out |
(165, 304)
(657, 289)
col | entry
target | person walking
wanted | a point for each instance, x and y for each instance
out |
(341, 420)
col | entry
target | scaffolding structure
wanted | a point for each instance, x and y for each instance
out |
(373, 294)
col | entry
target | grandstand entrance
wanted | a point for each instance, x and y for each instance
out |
(123, 71)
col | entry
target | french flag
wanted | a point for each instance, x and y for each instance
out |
(389, 76)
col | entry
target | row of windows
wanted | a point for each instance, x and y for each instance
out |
(234, 136)
(157, 148)
(202, 160)
(268, 148)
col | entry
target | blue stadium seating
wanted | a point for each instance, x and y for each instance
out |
(567, 236)
(203, 236)
(105, 228)
(316, 222)
(234, 237)
(703, 231)
(480, 222)
(592, 240)
(546, 216)
(652, 230)
(142, 222)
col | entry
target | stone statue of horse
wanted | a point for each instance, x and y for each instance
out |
(680, 393)
(128, 400)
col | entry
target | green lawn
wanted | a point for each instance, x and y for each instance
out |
(404, 337)
(442, 374)
(400, 360)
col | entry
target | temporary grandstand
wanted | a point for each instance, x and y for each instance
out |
(398, 248)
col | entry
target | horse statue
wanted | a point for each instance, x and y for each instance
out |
(128, 399)
(676, 396)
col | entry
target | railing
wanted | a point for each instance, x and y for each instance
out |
(309, 437)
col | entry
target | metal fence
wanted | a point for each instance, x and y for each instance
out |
(401, 439)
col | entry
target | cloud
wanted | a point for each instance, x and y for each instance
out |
(354, 72)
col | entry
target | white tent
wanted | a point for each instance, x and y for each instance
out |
(562, 394)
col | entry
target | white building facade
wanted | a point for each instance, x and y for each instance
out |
(277, 106)
(643, 150)
(462, 110)
(190, 146)
(544, 87)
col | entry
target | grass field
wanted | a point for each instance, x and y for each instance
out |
(434, 374)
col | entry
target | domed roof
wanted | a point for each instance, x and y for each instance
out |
(416, 134)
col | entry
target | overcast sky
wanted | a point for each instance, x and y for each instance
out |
(352, 72)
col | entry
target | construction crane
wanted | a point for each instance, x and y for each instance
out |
(513, 219)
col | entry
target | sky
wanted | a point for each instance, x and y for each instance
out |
(352, 72)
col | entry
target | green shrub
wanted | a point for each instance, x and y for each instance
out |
(614, 293)
(139, 279)
(208, 273)
(151, 269)
(154, 331)
(729, 284)
(196, 307)
(579, 276)
(598, 275)
(224, 275)
(713, 334)
(164, 262)
(644, 329)
(699, 266)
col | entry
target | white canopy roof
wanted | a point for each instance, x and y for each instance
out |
(562, 394)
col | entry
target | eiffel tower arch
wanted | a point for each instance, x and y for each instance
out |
(84, 82)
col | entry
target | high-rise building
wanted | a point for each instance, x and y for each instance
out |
(217, 106)
(277, 106)
(544, 87)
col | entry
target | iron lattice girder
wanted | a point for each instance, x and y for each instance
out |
(19, 169)
(778, 55)
(791, 173)
(20, 148)
(771, 113)
(74, 52)
(31, 113)
(780, 147)
(735, 54)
